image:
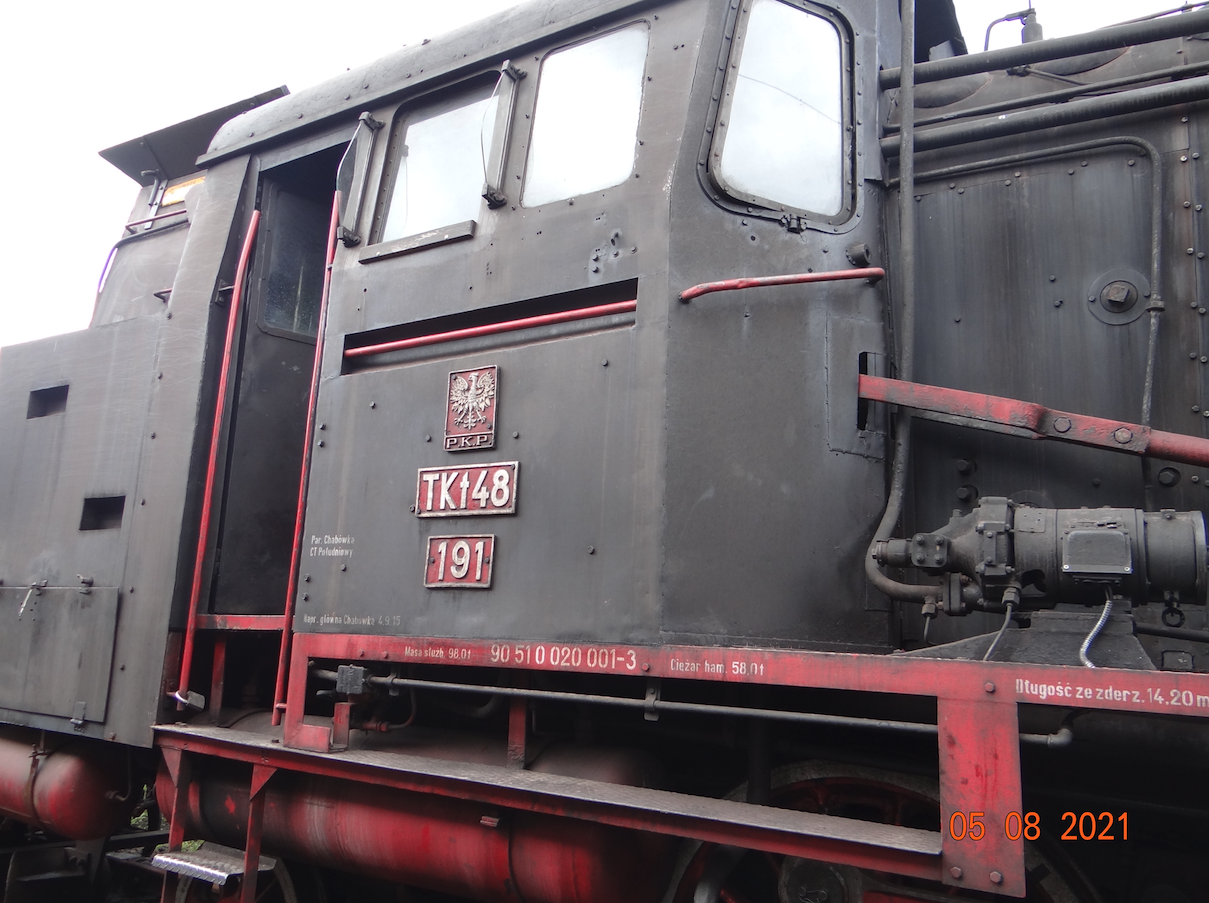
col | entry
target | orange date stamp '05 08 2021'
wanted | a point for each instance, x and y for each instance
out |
(1077, 826)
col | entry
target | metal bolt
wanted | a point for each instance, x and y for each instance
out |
(1122, 435)
(591, 550)
(320, 443)
(1062, 424)
(372, 405)
(996, 878)
(955, 872)
(323, 426)
(1058, 303)
(961, 191)
(1096, 482)
(605, 362)
(989, 687)
(1191, 251)
(428, 438)
(305, 597)
(1187, 203)
(153, 435)
(515, 434)
(1196, 479)
(1053, 278)
(1017, 174)
(646, 666)
(1191, 355)
(344, 567)
(1131, 162)
(1183, 159)
(306, 578)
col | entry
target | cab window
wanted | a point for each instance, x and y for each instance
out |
(780, 138)
(438, 155)
(585, 121)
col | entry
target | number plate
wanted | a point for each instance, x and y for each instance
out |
(459, 562)
(461, 491)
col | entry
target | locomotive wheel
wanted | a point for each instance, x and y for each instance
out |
(285, 884)
(712, 873)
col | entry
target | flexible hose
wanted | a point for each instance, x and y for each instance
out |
(1095, 631)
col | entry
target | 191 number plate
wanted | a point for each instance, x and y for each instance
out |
(459, 562)
(459, 491)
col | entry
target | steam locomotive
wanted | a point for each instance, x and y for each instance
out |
(648, 450)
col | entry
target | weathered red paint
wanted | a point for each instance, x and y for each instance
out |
(436, 338)
(1099, 688)
(239, 622)
(1036, 421)
(873, 274)
(461, 847)
(980, 773)
(70, 787)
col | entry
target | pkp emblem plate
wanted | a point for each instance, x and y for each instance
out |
(470, 409)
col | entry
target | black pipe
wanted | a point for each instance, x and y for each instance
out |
(664, 705)
(1137, 101)
(1172, 633)
(1051, 97)
(1057, 48)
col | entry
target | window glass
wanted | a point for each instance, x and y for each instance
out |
(781, 128)
(439, 180)
(585, 123)
(297, 258)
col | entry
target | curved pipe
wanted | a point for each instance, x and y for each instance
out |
(183, 695)
(873, 274)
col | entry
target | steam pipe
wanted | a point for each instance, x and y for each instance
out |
(906, 338)
(1139, 100)
(1111, 38)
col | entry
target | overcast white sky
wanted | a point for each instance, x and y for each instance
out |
(83, 76)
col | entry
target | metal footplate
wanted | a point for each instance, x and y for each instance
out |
(211, 862)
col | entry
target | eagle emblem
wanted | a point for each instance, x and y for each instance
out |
(470, 418)
(469, 399)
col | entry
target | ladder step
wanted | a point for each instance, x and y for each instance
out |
(211, 862)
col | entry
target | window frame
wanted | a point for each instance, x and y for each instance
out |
(436, 103)
(533, 101)
(713, 141)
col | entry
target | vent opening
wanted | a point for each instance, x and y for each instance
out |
(44, 402)
(103, 513)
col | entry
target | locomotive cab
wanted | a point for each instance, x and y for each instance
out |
(638, 451)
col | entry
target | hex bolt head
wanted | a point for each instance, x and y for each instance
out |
(955, 872)
(591, 550)
(1062, 424)
(996, 878)
(989, 687)
(1122, 435)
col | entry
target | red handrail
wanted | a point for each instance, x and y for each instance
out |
(287, 630)
(183, 693)
(873, 274)
(472, 332)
